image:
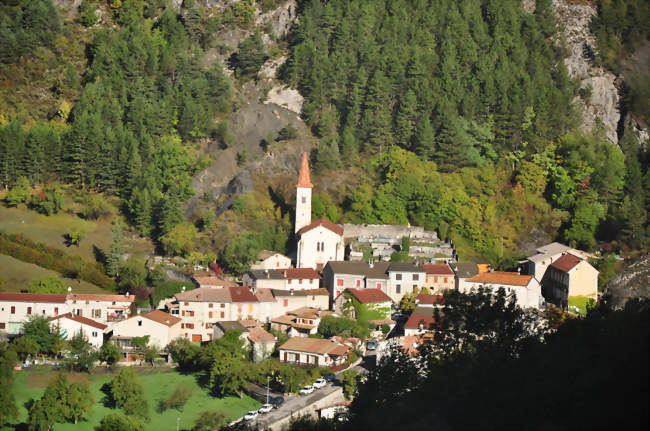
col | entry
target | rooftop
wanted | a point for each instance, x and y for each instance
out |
(32, 297)
(231, 325)
(298, 273)
(369, 296)
(415, 321)
(100, 297)
(300, 292)
(500, 277)
(337, 229)
(161, 317)
(424, 299)
(437, 269)
(303, 175)
(566, 262)
(377, 271)
(257, 334)
(311, 345)
(80, 319)
(205, 294)
(212, 281)
(404, 267)
(466, 269)
(260, 274)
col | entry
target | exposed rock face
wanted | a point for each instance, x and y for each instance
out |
(575, 20)
(285, 97)
(281, 18)
(633, 282)
(270, 68)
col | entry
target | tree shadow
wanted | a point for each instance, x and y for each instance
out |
(29, 403)
(280, 202)
(67, 239)
(107, 400)
(100, 256)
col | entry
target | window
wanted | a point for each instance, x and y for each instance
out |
(189, 325)
(446, 279)
(358, 283)
(303, 200)
(183, 312)
(43, 311)
(378, 285)
(186, 335)
(285, 303)
(29, 310)
(207, 326)
(300, 281)
(2, 325)
(182, 325)
(210, 315)
(97, 313)
(210, 305)
(56, 311)
(186, 303)
(223, 315)
(190, 313)
(435, 279)
(139, 322)
(398, 276)
(416, 277)
(398, 288)
(94, 334)
(223, 305)
(250, 308)
(339, 282)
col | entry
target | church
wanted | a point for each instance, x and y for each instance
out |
(319, 241)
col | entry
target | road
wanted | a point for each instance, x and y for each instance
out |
(293, 403)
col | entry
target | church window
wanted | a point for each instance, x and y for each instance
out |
(304, 200)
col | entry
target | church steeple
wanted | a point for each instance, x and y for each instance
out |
(303, 195)
(303, 176)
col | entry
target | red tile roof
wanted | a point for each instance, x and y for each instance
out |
(303, 176)
(566, 262)
(205, 294)
(161, 317)
(255, 335)
(100, 297)
(415, 320)
(32, 297)
(80, 319)
(241, 294)
(298, 273)
(437, 269)
(369, 296)
(499, 277)
(337, 229)
(424, 299)
(212, 281)
(310, 345)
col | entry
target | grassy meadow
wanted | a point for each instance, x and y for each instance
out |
(158, 385)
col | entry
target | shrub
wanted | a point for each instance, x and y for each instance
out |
(177, 399)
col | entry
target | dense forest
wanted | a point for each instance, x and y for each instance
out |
(457, 116)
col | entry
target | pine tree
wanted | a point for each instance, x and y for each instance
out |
(405, 121)
(377, 115)
(115, 251)
(424, 141)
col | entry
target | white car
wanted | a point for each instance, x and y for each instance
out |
(251, 415)
(319, 383)
(265, 408)
(307, 390)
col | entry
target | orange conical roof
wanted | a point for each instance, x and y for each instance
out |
(303, 177)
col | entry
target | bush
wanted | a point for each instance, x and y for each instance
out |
(95, 207)
(177, 399)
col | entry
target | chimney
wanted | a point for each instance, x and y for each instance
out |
(266, 271)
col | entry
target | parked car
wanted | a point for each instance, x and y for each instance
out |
(265, 408)
(371, 345)
(250, 415)
(307, 390)
(319, 383)
(329, 377)
(277, 402)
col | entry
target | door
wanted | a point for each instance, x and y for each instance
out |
(196, 338)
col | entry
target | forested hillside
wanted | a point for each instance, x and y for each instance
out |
(455, 115)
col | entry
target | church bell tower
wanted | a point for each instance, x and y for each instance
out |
(303, 195)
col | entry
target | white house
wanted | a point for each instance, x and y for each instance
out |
(271, 260)
(162, 328)
(567, 277)
(15, 308)
(526, 288)
(319, 241)
(404, 277)
(314, 352)
(70, 325)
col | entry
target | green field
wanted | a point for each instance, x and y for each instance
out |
(580, 302)
(158, 385)
(51, 230)
(15, 275)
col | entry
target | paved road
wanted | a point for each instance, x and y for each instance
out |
(293, 403)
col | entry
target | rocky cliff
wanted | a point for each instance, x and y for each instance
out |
(632, 282)
(600, 101)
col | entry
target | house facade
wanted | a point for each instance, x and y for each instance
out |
(567, 277)
(376, 304)
(300, 322)
(314, 352)
(527, 290)
(464, 271)
(200, 308)
(15, 308)
(162, 328)
(70, 325)
(404, 278)
(341, 275)
(440, 277)
(271, 260)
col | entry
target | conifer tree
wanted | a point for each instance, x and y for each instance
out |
(115, 251)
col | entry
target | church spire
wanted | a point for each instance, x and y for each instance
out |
(303, 177)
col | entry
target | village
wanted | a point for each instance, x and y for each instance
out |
(292, 308)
